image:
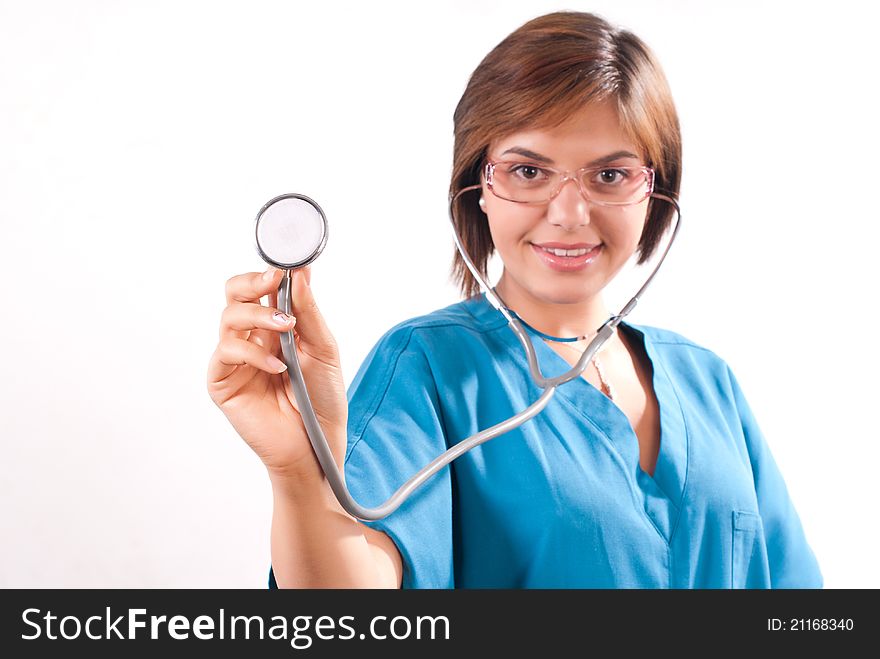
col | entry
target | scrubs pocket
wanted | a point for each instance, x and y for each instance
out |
(749, 566)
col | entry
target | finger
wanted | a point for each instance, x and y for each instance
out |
(262, 339)
(251, 286)
(239, 319)
(232, 353)
(267, 338)
(314, 336)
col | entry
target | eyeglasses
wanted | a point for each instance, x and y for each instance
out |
(527, 183)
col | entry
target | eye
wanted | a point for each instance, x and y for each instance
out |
(527, 172)
(611, 176)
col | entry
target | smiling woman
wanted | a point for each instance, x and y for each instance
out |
(648, 471)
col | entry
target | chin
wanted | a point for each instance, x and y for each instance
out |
(572, 293)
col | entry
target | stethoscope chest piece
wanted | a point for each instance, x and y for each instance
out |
(290, 231)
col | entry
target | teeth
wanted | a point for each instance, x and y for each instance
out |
(566, 252)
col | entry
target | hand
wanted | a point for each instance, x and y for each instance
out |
(248, 381)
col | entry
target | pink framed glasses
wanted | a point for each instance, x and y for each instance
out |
(528, 183)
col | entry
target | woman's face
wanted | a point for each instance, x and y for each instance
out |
(523, 233)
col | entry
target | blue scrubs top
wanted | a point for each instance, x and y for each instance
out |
(562, 502)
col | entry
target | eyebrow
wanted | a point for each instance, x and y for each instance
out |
(547, 161)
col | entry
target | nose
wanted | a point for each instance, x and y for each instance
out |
(569, 209)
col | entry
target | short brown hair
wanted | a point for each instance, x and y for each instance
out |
(539, 76)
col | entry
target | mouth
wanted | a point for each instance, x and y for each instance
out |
(564, 257)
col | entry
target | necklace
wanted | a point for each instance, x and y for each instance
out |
(605, 386)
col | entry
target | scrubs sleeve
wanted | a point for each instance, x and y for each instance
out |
(395, 428)
(792, 562)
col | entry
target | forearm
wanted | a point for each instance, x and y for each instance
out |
(315, 543)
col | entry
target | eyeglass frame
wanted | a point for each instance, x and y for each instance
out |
(489, 171)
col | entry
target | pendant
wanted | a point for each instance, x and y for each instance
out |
(605, 388)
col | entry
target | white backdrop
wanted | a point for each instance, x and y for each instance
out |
(139, 139)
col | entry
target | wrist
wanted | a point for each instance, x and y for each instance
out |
(295, 480)
(304, 492)
(306, 474)
(305, 466)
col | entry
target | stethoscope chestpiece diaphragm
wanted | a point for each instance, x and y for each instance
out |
(290, 231)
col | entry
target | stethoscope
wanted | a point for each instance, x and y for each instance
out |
(291, 232)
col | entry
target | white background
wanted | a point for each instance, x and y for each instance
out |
(139, 139)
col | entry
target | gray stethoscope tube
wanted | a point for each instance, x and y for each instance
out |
(291, 231)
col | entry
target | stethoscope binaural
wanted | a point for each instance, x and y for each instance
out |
(291, 232)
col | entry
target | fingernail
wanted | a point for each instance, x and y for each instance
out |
(276, 364)
(281, 318)
(269, 274)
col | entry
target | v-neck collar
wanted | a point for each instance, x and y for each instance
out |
(660, 495)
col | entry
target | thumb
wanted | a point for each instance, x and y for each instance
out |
(315, 337)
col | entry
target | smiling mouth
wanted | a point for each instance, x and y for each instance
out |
(568, 258)
(565, 252)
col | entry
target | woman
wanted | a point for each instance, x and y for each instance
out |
(649, 471)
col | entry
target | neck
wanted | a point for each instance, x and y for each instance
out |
(556, 318)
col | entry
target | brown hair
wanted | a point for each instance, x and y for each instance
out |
(539, 76)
